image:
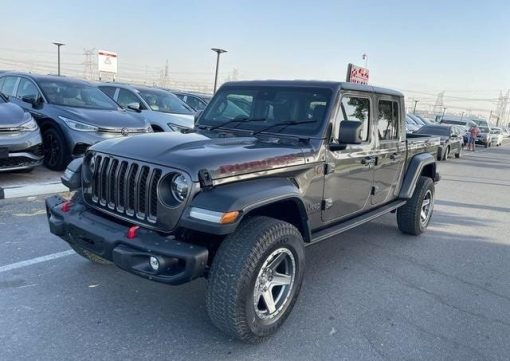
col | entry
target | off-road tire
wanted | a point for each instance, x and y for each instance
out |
(235, 270)
(409, 215)
(90, 256)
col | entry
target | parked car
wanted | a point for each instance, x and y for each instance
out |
(464, 123)
(237, 200)
(496, 136)
(452, 141)
(164, 111)
(72, 114)
(417, 119)
(484, 138)
(506, 132)
(20, 139)
(198, 101)
(411, 125)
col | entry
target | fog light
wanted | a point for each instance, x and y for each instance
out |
(154, 263)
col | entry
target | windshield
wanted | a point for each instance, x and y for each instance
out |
(437, 130)
(268, 106)
(79, 95)
(481, 123)
(484, 129)
(163, 101)
(456, 122)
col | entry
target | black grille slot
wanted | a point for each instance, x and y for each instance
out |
(125, 187)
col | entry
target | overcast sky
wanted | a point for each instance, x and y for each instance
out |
(421, 46)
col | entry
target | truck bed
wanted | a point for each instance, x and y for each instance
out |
(418, 143)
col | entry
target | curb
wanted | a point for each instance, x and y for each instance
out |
(32, 190)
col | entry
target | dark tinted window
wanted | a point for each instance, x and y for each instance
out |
(356, 109)
(388, 119)
(434, 130)
(163, 101)
(8, 85)
(269, 106)
(108, 90)
(127, 97)
(195, 103)
(26, 88)
(75, 94)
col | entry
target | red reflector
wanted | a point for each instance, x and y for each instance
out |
(66, 206)
(132, 232)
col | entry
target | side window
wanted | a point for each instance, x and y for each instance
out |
(126, 97)
(108, 90)
(27, 89)
(356, 109)
(9, 85)
(388, 119)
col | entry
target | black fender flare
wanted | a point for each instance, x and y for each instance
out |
(414, 170)
(244, 197)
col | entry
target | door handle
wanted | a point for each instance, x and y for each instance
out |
(368, 161)
(395, 156)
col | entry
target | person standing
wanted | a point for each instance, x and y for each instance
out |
(474, 132)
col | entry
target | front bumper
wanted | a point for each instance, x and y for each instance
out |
(24, 151)
(180, 262)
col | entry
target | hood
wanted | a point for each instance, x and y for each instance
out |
(103, 118)
(11, 115)
(183, 120)
(192, 152)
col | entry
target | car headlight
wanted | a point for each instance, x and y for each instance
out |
(79, 126)
(177, 128)
(29, 124)
(180, 187)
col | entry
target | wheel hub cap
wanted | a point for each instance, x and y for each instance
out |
(274, 284)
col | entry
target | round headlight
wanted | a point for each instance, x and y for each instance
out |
(180, 187)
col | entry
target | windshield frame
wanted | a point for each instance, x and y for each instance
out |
(82, 85)
(290, 130)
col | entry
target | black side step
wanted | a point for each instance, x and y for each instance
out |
(356, 221)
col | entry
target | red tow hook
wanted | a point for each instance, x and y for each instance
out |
(131, 234)
(66, 206)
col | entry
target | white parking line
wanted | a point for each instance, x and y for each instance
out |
(36, 260)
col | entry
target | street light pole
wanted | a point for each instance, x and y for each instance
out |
(218, 52)
(58, 50)
(415, 102)
(462, 116)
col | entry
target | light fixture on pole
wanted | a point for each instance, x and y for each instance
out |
(415, 102)
(365, 57)
(218, 52)
(58, 50)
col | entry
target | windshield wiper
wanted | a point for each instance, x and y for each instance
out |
(240, 119)
(284, 125)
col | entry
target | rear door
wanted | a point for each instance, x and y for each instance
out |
(391, 149)
(349, 172)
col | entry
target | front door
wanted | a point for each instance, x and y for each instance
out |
(391, 153)
(349, 172)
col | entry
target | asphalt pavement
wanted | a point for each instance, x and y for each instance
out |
(369, 294)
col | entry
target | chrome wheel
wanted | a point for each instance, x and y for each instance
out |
(426, 208)
(274, 284)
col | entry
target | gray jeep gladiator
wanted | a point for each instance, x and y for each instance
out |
(271, 167)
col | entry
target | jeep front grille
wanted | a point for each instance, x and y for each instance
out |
(125, 187)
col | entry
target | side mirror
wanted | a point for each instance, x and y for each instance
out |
(32, 99)
(134, 106)
(197, 115)
(350, 132)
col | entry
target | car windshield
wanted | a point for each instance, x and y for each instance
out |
(163, 101)
(75, 94)
(456, 122)
(268, 106)
(434, 130)
(484, 129)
